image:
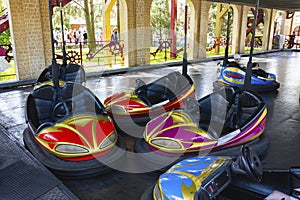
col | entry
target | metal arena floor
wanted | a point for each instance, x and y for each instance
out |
(283, 122)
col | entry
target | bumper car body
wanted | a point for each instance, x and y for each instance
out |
(221, 120)
(206, 177)
(69, 131)
(203, 176)
(139, 105)
(235, 76)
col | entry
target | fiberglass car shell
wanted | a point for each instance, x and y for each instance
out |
(205, 177)
(69, 131)
(235, 76)
(217, 124)
(133, 108)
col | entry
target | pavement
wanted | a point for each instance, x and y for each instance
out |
(283, 118)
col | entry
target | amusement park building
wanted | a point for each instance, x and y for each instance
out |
(31, 38)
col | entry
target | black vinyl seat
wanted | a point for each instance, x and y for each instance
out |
(47, 105)
(226, 110)
(166, 88)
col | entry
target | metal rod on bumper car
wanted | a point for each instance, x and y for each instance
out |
(62, 35)
(247, 83)
(184, 62)
(55, 67)
(225, 61)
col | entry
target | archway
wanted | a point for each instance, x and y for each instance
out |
(113, 33)
(217, 32)
(167, 18)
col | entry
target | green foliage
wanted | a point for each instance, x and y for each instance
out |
(5, 37)
(160, 16)
(67, 12)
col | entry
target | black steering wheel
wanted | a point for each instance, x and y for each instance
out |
(251, 163)
(62, 109)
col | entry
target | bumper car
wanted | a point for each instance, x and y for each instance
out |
(133, 108)
(204, 177)
(217, 124)
(221, 177)
(69, 132)
(231, 75)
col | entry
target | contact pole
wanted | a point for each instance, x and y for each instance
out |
(62, 34)
(247, 83)
(55, 67)
(225, 61)
(184, 63)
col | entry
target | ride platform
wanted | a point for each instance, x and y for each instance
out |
(23, 177)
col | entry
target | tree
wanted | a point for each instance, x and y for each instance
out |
(79, 8)
(90, 21)
(160, 16)
(5, 35)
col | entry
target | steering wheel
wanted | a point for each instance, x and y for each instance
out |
(62, 109)
(251, 163)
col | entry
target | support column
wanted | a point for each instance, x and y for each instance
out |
(173, 28)
(29, 37)
(271, 28)
(199, 19)
(130, 51)
(267, 24)
(243, 28)
(143, 39)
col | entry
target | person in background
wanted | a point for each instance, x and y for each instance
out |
(236, 62)
(114, 35)
(237, 58)
(85, 37)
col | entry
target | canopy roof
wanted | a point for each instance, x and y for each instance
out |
(286, 5)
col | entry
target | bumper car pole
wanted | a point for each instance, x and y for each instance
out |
(225, 61)
(62, 34)
(247, 84)
(184, 63)
(55, 67)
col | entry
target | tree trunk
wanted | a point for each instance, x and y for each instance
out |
(89, 18)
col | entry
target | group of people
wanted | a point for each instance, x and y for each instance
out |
(71, 36)
(256, 70)
(80, 35)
